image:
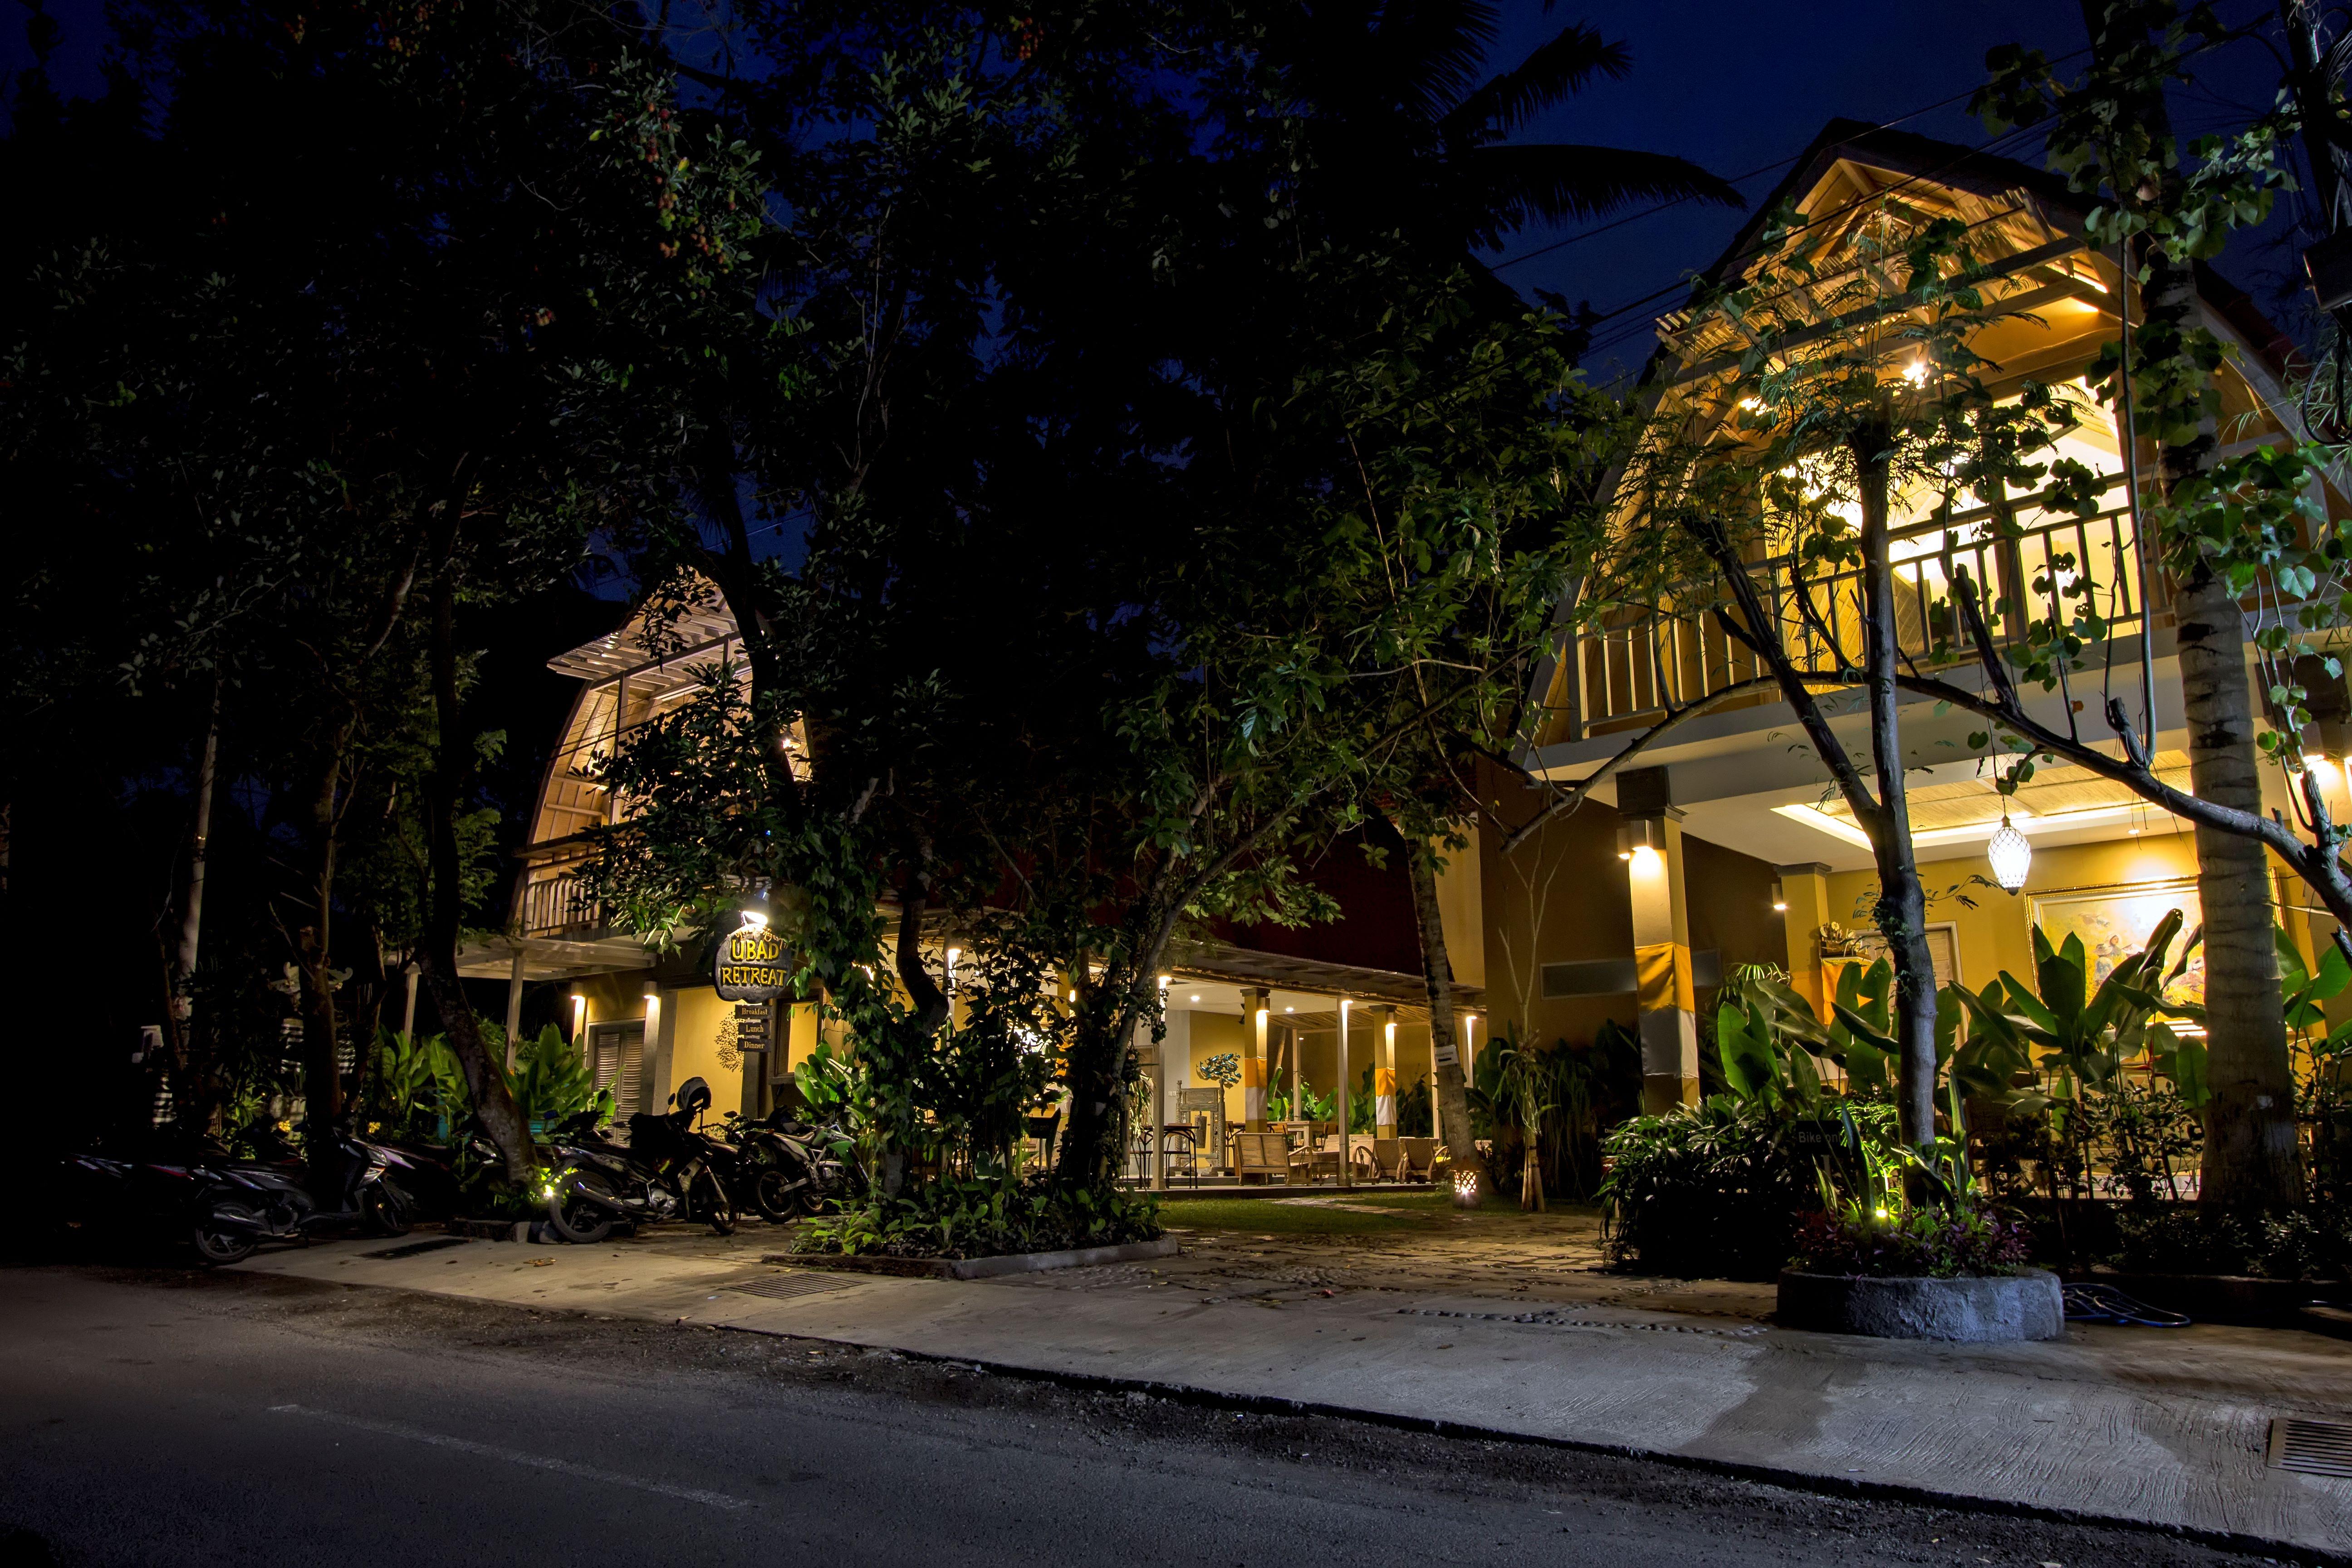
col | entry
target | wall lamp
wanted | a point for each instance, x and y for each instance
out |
(1643, 834)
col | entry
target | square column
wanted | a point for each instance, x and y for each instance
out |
(1340, 1097)
(1804, 905)
(1662, 961)
(1384, 1082)
(1253, 1026)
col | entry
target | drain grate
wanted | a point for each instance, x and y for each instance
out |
(782, 1287)
(2315, 1448)
(414, 1247)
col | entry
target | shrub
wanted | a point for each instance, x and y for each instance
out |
(2311, 1243)
(1718, 1189)
(967, 1217)
(1930, 1240)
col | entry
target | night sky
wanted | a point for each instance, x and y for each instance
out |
(1738, 86)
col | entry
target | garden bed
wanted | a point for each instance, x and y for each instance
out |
(1968, 1309)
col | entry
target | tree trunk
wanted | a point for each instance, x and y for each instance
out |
(500, 1118)
(192, 1098)
(2251, 1160)
(1902, 910)
(322, 1084)
(1437, 978)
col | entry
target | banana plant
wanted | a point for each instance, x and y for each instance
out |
(2307, 989)
(2083, 1034)
(1767, 1036)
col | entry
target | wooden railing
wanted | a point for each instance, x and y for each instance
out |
(1629, 673)
(556, 905)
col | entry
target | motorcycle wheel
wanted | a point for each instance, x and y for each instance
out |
(388, 1209)
(579, 1219)
(779, 1198)
(707, 1200)
(216, 1245)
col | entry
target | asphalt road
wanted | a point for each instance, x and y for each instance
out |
(154, 1416)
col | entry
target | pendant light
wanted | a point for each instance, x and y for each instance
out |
(2010, 855)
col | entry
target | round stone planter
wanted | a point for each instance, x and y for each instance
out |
(1985, 1309)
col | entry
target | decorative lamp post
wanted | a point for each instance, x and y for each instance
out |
(2010, 855)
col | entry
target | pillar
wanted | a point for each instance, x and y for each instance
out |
(1291, 1043)
(514, 1006)
(1384, 1084)
(1175, 1054)
(1340, 1095)
(1804, 909)
(1253, 1027)
(408, 1008)
(1661, 962)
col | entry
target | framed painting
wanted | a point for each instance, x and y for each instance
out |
(2116, 922)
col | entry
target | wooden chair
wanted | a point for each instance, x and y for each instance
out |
(1417, 1158)
(1317, 1157)
(1260, 1155)
(1374, 1159)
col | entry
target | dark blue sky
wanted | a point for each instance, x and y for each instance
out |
(1737, 86)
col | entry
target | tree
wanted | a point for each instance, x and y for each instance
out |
(403, 356)
(2223, 526)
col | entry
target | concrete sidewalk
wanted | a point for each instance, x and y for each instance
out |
(2163, 1427)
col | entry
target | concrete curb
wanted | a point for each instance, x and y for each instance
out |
(976, 1267)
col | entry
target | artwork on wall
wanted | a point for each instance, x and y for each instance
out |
(2114, 923)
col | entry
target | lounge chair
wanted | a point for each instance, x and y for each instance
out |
(1418, 1157)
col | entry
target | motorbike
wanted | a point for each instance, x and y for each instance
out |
(792, 1167)
(236, 1204)
(666, 1171)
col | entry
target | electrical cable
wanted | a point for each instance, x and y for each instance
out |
(1992, 148)
(1735, 180)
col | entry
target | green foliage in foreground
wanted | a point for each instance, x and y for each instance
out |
(982, 1218)
(1718, 1190)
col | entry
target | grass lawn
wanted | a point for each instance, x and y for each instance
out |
(1419, 1211)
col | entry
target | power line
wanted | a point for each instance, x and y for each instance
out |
(1990, 148)
(1735, 180)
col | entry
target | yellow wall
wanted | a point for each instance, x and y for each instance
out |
(1994, 935)
(1461, 904)
(693, 1046)
(1213, 1034)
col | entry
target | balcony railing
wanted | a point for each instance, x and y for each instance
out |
(558, 905)
(1627, 674)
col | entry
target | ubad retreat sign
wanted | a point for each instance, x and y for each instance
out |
(752, 965)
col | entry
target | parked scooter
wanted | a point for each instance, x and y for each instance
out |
(666, 1171)
(238, 1203)
(792, 1167)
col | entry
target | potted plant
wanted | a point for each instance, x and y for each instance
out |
(1902, 1249)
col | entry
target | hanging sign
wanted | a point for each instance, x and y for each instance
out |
(752, 965)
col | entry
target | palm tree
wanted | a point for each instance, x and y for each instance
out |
(1402, 129)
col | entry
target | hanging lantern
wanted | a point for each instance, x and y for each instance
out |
(2010, 855)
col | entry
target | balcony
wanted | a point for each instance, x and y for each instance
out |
(555, 904)
(1625, 676)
